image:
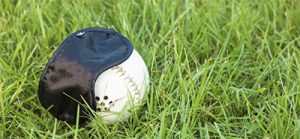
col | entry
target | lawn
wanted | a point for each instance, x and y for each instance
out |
(218, 68)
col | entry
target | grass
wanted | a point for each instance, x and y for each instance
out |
(219, 69)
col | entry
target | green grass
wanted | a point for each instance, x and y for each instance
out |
(219, 68)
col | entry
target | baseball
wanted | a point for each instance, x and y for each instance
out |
(97, 66)
(120, 88)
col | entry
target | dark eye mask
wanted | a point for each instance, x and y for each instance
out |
(69, 77)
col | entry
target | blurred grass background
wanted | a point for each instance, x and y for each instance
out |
(219, 68)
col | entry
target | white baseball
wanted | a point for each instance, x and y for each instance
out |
(121, 87)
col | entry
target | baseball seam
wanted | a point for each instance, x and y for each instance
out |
(126, 78)
(130, 83)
